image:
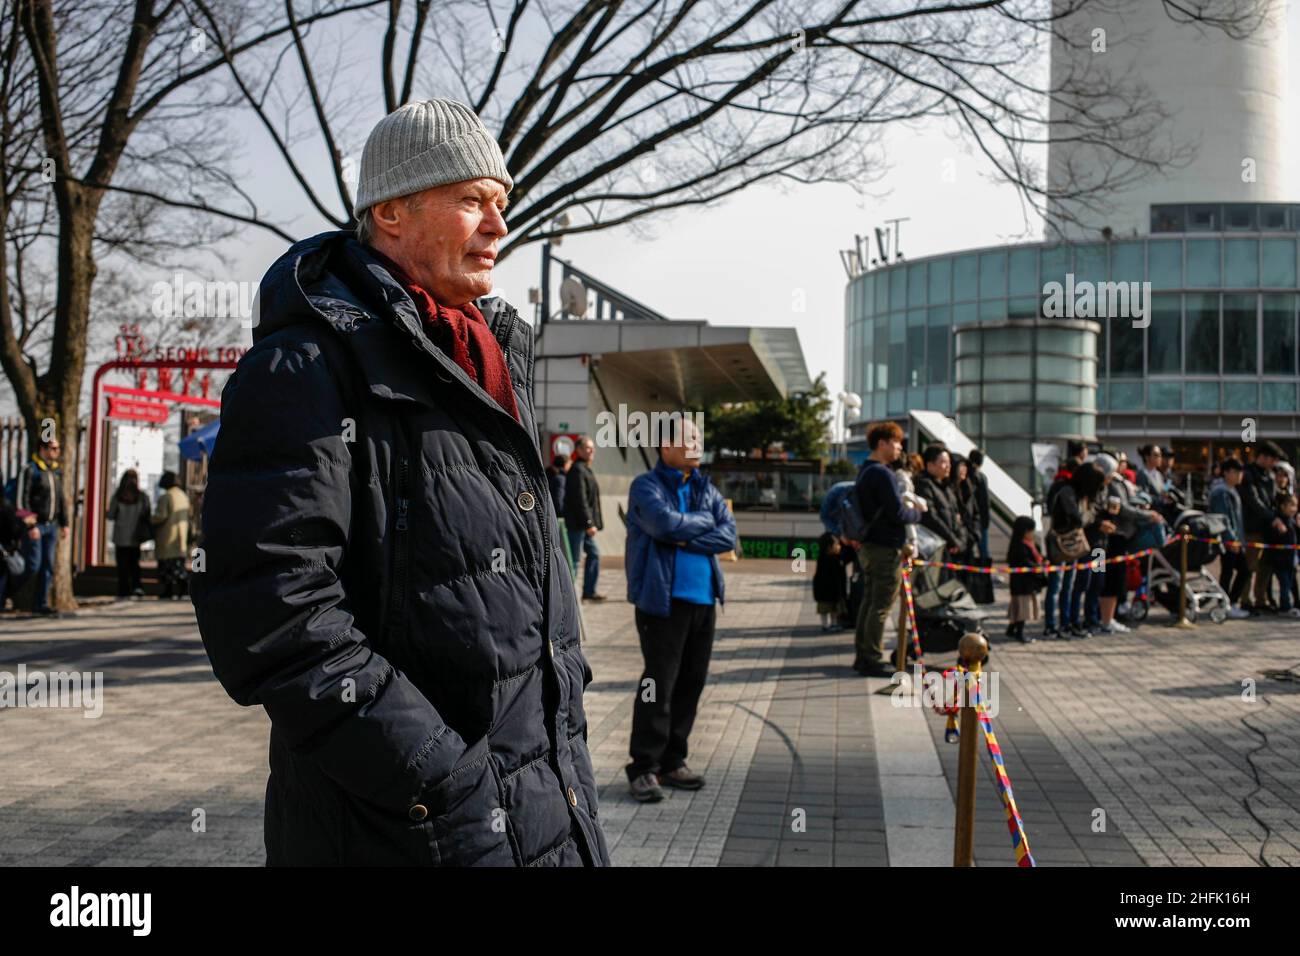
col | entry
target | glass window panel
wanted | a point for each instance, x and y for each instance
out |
(1279, 334)
(1022, 307)
(1007, 368)
(897, 328)
(1240, 350)
(940, 279)
(867, 300)
(968, 369)
(1009, 423)
(1024, 272)
(1066, 423)
(882, 293)
(993, 275)
(1272, 217)
(1165, 396)
(1125, 349)
(992, 310)
(940, 316)
(1101, 399)
(965, 313)
(1053, 264)
(1126, 262)
(936, 363)
(880, 352)
(1202, 347)
(896, 402)
(939, 400)
(1165, 263)
(1203, 218)
(1279, 264)
(915, 355)
(965, 278)
(1067, 395)
(1164, 338)
(878, 405)
(1056, 369)
(915, 317)
(1203, 263)
(897, 288)
(1126, 395)
(897, 366)
(1090, 263)
(1241, 263)
(1202, 396)
(1008, 393)
(1167, 219)
(1239, 217)
(916, 284)
(968, 396)
(1277, 397)
(1240, 396)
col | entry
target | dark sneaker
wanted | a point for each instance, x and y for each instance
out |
(878, 669)
(645, 788)
(47, 612)
(1078, 633)
(593, 597)
(1051, 634)
(682, 778)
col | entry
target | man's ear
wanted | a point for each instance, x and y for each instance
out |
(387, 217)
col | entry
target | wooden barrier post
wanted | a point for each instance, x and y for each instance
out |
(1182, 580)
(972, 651)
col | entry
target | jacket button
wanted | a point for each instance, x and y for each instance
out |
(526, 501)
(573, 798)
(418, 812)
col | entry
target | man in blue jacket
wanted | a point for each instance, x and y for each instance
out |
(677, 525)
(880, 553)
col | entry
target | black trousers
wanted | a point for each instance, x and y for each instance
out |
(128, 569)
(676, 650)
(1233, 574)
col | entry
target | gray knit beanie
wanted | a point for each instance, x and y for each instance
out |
(427, 144)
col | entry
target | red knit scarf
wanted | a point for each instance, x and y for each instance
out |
(464, 337)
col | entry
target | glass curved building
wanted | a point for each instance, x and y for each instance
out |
(969, 334)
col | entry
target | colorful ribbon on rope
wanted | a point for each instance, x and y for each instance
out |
(1029, 569)
(1015, 824)
(911, 617)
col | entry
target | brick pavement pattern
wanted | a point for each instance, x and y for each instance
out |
(805, 764)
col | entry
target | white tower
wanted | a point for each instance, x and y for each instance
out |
(1227, 100)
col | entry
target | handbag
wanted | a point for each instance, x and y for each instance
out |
(144, 527)
(15, 564)
(1073, 544)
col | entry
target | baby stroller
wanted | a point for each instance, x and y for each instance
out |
(944, 609)
(1205, 598)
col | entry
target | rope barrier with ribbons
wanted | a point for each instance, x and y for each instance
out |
(911, 616)
(1015, 823)
(1032, 569)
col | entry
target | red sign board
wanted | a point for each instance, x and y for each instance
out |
(136, 410)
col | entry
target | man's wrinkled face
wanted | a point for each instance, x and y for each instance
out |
(446, 237)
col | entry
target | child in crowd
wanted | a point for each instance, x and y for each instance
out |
(829, 582)
(1023, 552)
(1283, 560)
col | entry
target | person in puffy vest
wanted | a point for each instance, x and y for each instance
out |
(381, 568)
(40, 491)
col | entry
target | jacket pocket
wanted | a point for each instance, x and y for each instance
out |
(469, 825)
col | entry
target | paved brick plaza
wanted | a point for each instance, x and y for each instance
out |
(1150, 728)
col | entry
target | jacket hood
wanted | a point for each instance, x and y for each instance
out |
(334, 279)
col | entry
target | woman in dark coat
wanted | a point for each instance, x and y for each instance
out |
(1078, 505)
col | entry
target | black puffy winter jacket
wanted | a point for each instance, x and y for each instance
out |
(382, 573)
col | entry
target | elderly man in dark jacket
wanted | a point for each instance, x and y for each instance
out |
(381, 565)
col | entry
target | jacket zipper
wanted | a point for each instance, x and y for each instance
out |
(397, 597)
(502, 334)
